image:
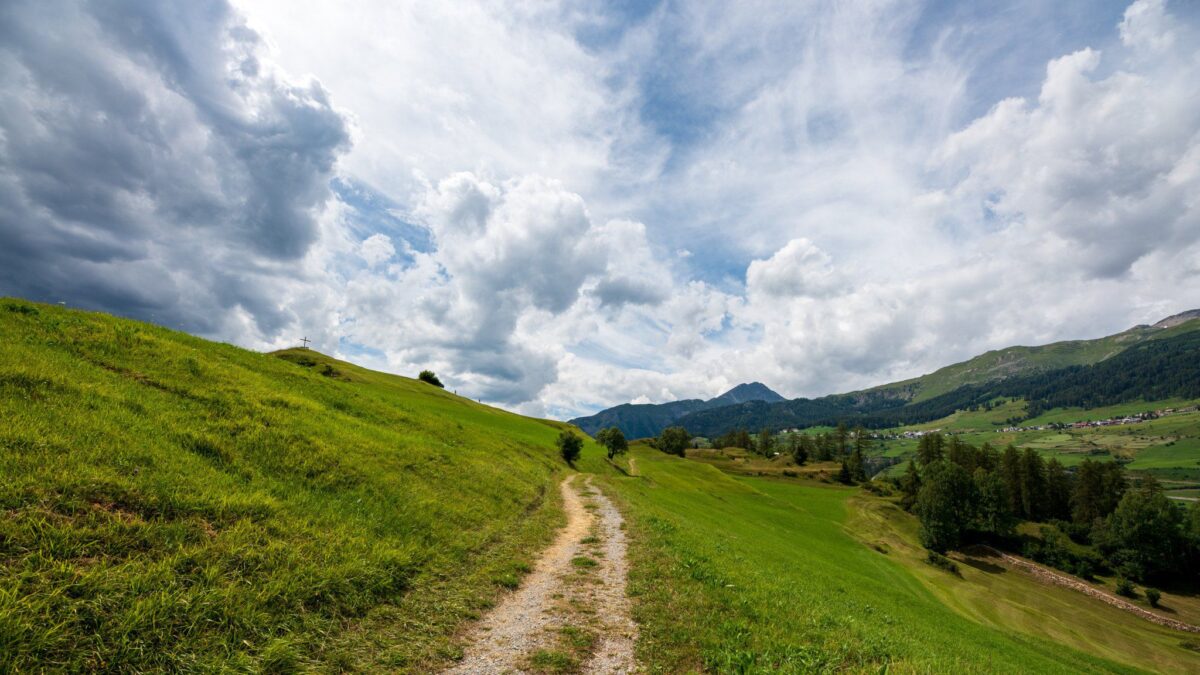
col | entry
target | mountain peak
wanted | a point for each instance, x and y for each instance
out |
(750, 391)
(1179, 318)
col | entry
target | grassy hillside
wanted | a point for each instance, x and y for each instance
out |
(1010, 361)
(172, 503)
(758, 575)
(992, 595)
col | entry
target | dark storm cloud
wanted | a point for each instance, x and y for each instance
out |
(150, 165)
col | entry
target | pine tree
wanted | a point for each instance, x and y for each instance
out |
(929, 449)
(862, 441)
(824, 448)
(844, 476)
(1033, 484)
(765, 442)
(1010, 473)
(855, 466)
(841, 435)
(1058, 491)
(993, 515)
(910, 486)
(802, 449)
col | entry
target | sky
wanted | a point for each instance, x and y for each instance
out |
(559, 206)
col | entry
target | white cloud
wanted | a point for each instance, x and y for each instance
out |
(800, 268)
(805, 196)
(377, 249)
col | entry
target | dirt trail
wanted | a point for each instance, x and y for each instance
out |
(1045, 575)
(573, 604)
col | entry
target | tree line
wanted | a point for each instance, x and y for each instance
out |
(964, 494)
(850, 447)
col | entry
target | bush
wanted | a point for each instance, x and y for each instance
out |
(878, 487)
(429, 377)
(1153, 596)
(941, 562)
(570, 446)
(1125, 587)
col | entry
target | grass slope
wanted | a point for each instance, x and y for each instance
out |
(169, 503)
(995, 596)
(1021, 360)
(756, 575)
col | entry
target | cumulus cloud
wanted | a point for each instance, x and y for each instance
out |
(152, 165)
(800, 268)
(558, 210)
(377, 249)
(1104, 164)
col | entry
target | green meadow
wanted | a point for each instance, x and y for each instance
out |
(759, 575)
(174, 504)
(170, 503)
(1168, 446)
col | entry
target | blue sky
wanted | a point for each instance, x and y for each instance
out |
(560, 206)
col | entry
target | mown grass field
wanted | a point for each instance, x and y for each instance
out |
(169, 503)
(992, 595)
(748, 575)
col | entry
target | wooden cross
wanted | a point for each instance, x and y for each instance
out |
(305, 340)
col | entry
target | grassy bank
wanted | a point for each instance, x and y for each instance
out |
(760, 575)
(993, 595)
(172, 503)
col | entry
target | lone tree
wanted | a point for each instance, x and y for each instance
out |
(612, 439)
(673, 441)
(428, 376)
(570, 446)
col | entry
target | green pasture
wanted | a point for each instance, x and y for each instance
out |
(758, 575)
(170, 503)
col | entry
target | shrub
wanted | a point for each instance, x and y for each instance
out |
(877, 487)
(1153, 596)
(428, 377)
(1125, 587)
(570, 446)
(941, 562)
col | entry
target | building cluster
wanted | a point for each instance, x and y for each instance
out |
(1110, 422)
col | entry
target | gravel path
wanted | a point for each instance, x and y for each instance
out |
(589, 599)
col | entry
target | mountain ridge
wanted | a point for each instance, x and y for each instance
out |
(992, 366)
(640, 420)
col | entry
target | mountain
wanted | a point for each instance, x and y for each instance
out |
(753, 391)
(1177, 319)
(641, 420)
(969, 383)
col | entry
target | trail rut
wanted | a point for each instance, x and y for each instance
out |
(573, 604)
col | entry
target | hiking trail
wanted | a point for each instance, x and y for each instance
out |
(572, 607)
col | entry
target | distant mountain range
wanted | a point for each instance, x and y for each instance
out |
(640, 420)
(1075, 372)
